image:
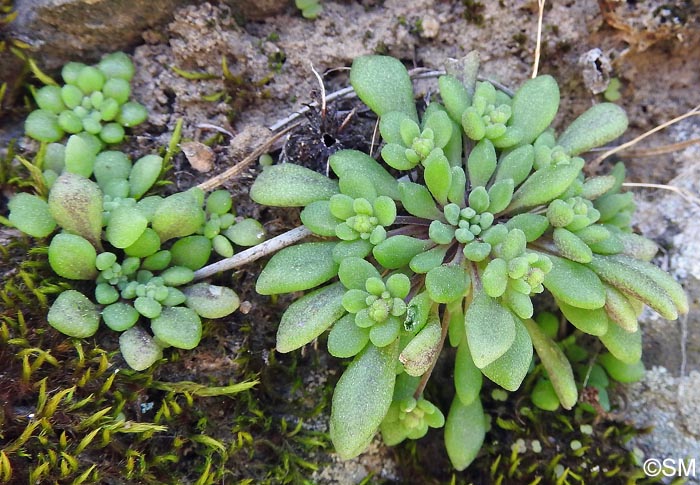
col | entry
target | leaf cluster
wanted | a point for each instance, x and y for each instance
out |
(490, 209)
(94, 100)
(140, 250)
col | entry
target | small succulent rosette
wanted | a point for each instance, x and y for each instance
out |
(140, 250)
(475, 209)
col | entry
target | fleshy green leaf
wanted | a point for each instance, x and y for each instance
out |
(458, 186)
(468, 378)
(179, 215)
(620, 371)
(309, 317)
(438, 175)
(178, 326)
(500, 195)
(571, 246)
(247, 232)
(425, 261)
(625, 346)
(357, 186)
(574, 284)
(73, 314)
(398, 128)
(191, 251)
(532, 225)
(76, 205)
(635, 283)
(351, 249)
(555, 362)
(416, 199)
(481, 163)
(490, 329)
(210, 301)
(661, 278)
(362, 398)
(385, 210)
(516, 164)
(382, 83)
(354, 272)
(592, 322)
(126, 225)
(72, 257)
(620, 310)
(383, 334)
(546, 184)
(318, 219)
(599, 125)
(637, 247)
(111, 165)
(495, 278)
(441, 125)
(509, 370)
(419, 354)
(120, 316)
(30, 214)
(447, 283)
(535, 105)
(297, 268)
(347, 339)
(80, 158)
(144, 174)
(544, 396)
(290, 185)
(395, 156)
(465, 430)
(346, 162)
(454, 96)
(43, 125)
(397, 251)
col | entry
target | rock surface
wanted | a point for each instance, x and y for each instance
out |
(58, 31)
(668, 398)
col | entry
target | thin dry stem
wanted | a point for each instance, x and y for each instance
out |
(209, 126)
(323, 89)
(597, 161)
(216, 181)
(252, 254)
(661, 150)
(685, 194)
(374, 138)
(538, 45)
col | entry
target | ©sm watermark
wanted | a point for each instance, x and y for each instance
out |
(670, 467)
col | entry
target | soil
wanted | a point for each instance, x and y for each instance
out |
(652, 47)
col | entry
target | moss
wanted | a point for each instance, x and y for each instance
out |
(474, 12)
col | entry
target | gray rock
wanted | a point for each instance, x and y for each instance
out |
(63, 30)
(668, 398)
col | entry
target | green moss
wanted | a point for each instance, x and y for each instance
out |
(474, 12)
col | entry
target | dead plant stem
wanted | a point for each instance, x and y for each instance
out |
(252, 254)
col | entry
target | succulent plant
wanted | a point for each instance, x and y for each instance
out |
(489, 208)
(94, 100)
(140, 250)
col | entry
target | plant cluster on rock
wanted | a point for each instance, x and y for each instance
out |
(489, 209)
(476, 209)
(140, 250)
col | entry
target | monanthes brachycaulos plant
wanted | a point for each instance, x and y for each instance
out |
(490, 209)
(140, 250)
(94, 100)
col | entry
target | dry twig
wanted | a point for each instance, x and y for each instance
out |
(538, 45)
(597, 161)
